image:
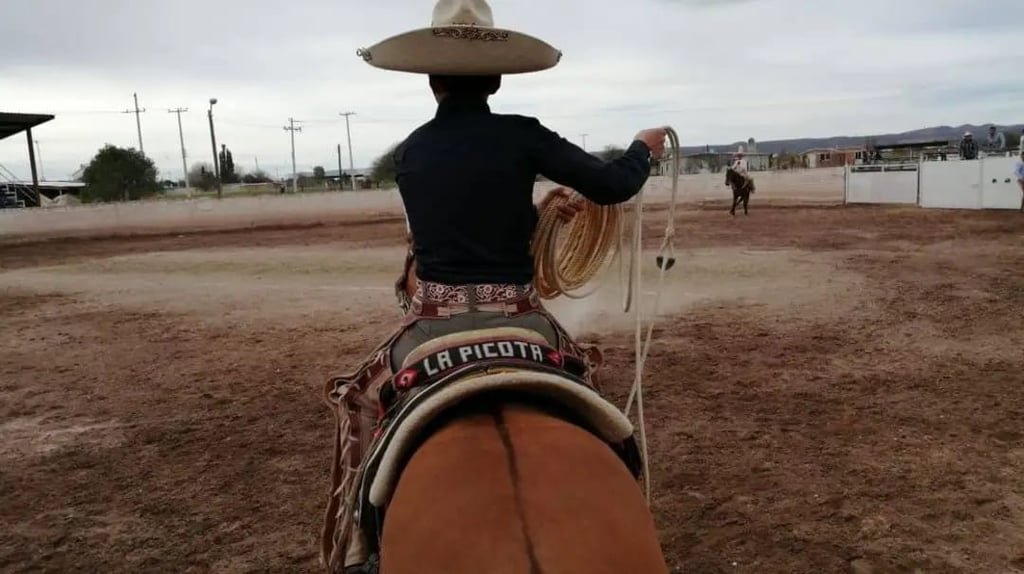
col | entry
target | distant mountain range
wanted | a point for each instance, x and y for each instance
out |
(950, 133)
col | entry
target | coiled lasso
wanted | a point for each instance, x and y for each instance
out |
(594, 235)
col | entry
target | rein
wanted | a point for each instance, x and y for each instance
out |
(593, 235)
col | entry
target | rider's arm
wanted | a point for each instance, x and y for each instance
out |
(602, 182)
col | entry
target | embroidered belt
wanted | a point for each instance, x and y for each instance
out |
(439, 300)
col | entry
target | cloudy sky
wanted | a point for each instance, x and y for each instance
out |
(716, 70)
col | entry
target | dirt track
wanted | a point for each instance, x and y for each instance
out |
(839, 389)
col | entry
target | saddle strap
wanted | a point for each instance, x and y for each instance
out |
(352, 398)
(337, 527)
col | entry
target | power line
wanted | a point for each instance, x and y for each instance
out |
(348, 132)
(213, 145)
(138, 122)
(83, 112)
(181, 137)
(249, 125)
(295, 178)
(341, 178)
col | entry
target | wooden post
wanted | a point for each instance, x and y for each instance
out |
(341, 177)
(32, 163)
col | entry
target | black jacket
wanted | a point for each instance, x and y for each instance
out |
(467, 177)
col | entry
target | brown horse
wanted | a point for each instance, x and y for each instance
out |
(742, 187)
(506, 471)
(507, 485)
(519, 477)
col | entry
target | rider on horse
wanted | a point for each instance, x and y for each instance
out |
(466, 178)
(739, 165)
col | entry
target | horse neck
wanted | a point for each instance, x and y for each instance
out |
(515, 482)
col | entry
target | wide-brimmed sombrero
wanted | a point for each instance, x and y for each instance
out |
(462, 41)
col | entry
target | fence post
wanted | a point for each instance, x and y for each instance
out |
(920, 168)
(846, 185)
(981, 183)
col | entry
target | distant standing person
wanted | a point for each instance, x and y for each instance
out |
(968, 147)
(996, 140)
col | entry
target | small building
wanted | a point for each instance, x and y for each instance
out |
(834, 157)
(361, 175)
(914, 151)
(713, 162)
(49, 190)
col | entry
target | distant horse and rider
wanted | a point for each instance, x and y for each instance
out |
(741, 183)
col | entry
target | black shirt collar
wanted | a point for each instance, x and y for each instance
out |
(452, 105)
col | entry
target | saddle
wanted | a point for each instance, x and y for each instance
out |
(444, 372)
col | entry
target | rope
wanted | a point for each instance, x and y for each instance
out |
(589, 240)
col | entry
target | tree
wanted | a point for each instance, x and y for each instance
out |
(714, 163)
(202, 177)
(1012, 141)
(692, 166)
(384, 168)
(319, 174)
(610, 152)
(119, 174)
(258, 176)
(227, 166)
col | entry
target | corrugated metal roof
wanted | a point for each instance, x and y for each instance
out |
(47, 184)
(11, 123)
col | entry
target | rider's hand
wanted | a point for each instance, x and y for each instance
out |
(655, 140)
(566, 211)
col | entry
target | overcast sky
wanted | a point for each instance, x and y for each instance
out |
(716, 70)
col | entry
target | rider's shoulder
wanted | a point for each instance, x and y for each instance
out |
(519, 120)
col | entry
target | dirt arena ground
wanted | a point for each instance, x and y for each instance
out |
(834, 390)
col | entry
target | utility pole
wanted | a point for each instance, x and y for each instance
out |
(348, 132)
(39, 155)
(138, 122)
(213, 141)
(181, 138)
(341, 177)
(257, 162)
(295, 177)
(584, 141)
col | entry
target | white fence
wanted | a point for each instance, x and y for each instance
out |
(882, 184)
(964, 184)
(978, 184)
(196, 214)
(803, 186)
